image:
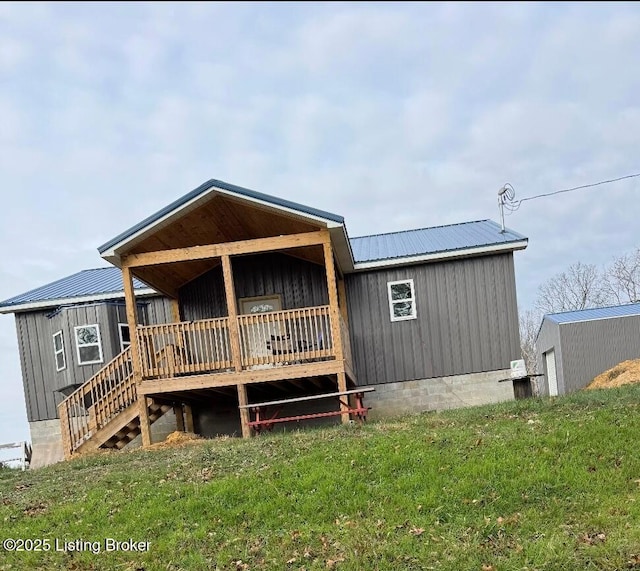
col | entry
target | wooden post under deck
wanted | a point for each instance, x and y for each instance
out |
(179, 412)
(243, 401)
(335, 320)
(145, 424)
(188, 414)
(132, 320)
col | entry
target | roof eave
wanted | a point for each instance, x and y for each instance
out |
(442, 256)
(50, 303)
(111, 250)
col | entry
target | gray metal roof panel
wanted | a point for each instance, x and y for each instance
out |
(626, 310)
(224, 186)
(431, 240)
(97, 281)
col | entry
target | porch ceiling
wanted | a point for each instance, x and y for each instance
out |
(218, 220)
(221, 219)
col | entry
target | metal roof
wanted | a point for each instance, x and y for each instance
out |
(224, 186)
(595, 313)
(395, 248)
(87, 285)
(425, 241)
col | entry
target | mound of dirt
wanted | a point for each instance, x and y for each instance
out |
(625, 373)
(176, 439)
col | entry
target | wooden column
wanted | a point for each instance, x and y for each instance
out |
(178, 411)
(188, 414)
(175, 310)
(132, 320)
(232, 311)
(145, 424)
(244, 412)
(334, 309)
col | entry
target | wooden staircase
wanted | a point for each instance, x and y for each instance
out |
(104, 411)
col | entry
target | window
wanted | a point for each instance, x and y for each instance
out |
(88, 344)
(125, 337)
(402, 300)
(58, 350)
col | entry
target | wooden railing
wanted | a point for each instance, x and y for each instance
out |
(97, 402)
(285, 336)
(184, 348)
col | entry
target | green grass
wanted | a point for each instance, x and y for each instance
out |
(546, 484)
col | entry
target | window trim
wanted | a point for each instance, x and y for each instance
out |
(412, 299)
(120, 326)
(98, 344)
(60, 352)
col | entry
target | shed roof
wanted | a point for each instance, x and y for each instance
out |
(88, 285)
(453, 238)
(595, 313)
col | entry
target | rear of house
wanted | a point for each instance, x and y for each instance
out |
(229, 297)
(574, 347)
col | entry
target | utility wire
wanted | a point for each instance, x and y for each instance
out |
(507, 193)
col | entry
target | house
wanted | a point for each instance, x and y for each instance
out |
(234, 297)
(574, 347)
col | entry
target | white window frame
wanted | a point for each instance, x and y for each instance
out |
(412, 299)
(57, 352)
(98, 344)
(122, 342)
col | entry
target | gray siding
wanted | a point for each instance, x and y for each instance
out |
(591, 347)
(35, 332)
(300, 283)
(549, 338)
(467, 321)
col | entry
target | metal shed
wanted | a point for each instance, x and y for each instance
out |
(574, 347)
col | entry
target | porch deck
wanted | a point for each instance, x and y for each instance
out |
(177, 358)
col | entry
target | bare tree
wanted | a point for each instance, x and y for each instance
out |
(529, 325)
(581, 286)
(623, 278)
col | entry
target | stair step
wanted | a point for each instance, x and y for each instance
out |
(122, 435)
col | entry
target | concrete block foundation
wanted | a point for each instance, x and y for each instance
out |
(395, 399)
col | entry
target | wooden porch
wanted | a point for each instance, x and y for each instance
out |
(171, 364)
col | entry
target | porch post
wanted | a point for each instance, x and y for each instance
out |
(132, 320)
(234, 335)
(232, 312)
(175, 310)
(334, 310)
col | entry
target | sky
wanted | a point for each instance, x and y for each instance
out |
(395, 116)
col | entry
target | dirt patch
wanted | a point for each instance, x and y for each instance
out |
(625, 373)
(177, 439)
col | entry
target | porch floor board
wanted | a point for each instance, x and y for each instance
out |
(194, 382)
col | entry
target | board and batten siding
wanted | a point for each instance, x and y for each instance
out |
(300, 284)
(467, 321)
(35, 330)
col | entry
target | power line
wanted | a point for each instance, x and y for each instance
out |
(578, 187)
(507, 194)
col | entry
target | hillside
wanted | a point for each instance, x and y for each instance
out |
(542, 484)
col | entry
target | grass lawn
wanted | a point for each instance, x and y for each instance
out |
(539, 484)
